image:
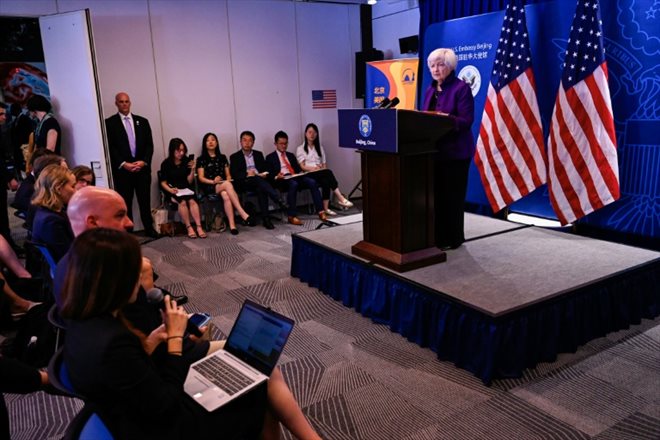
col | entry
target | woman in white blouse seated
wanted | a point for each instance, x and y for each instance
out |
(311, 157)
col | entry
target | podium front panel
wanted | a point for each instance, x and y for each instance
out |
(368, 130)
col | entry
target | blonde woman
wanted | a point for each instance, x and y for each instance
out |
(50, 225)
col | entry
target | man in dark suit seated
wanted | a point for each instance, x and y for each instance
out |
(131, 148)
(250, 173)
(283, 165)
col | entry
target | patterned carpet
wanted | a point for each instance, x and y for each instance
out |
(357, 380)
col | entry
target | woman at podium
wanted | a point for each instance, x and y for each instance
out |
(451, 97)
(312, 158)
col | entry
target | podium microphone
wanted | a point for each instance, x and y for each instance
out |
(383, 103)
(393, 103)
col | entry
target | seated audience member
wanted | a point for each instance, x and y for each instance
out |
(48, 133)
(250, 172)
(9, 259)
(7, 179)
(53, 190)
(18, 378)
(84, 176)
(110, 364)
(21, 128)
(93, 207)
(12, 304)
(39, 165)
(26, 188)
(311, 157)
(283, 165)
(177, 173)
(213, 170)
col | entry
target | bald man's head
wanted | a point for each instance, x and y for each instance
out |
(123, 103)
(96, 207)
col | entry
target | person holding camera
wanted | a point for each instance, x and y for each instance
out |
(177, 174)
(213, 170)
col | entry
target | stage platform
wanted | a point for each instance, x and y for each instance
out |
(510, 297)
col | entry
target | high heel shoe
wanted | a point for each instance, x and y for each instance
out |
(17, 316)
(200, 232)
(234, 231)
(345, 203)
(191, 231)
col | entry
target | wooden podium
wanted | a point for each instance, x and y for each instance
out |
(397, 148)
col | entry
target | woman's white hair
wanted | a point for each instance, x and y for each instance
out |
(447, 56)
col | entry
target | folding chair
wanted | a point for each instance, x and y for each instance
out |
(87, 425)
(209, 202)
(58, 375)
(41, 265)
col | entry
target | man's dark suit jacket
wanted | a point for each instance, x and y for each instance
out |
(120, 151)
(238, 167)
(273, 160)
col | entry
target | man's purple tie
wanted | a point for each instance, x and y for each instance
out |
(130, 133)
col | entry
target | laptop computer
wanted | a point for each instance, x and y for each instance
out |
(253, 347)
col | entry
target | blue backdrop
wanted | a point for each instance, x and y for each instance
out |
(632, 39)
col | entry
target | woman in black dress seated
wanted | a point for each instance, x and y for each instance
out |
(177, 173)
(110, 364)
(213, 170)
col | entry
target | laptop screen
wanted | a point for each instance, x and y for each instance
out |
(258, 336)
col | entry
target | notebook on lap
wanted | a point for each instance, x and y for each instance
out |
(253, 347)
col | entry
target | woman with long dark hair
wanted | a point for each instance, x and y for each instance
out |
(311, 157)
(177, 173)
(213, 170)
(110, 362)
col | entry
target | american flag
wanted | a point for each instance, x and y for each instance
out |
(510, 153)
(324, 99)
(583, 169)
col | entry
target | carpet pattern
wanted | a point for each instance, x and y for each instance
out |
(357, 380)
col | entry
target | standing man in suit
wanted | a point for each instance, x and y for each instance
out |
(249, 170)
(283, 165)
(131, 149)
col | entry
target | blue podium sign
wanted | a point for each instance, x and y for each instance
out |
(368, 129)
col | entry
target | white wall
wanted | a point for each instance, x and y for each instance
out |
(391, 20)
(223, 66)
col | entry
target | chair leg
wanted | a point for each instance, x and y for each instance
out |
(57, 339)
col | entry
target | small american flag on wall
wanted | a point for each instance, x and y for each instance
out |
(324, 99)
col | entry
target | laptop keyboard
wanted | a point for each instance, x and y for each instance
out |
(224, 376)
